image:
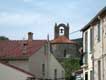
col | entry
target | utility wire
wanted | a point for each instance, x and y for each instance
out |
(74, 32)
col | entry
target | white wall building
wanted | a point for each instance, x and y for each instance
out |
(9, 72)
(94, 41)
(87, 55)
(44, 65)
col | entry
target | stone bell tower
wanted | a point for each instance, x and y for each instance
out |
(61, 30)
(62, 46)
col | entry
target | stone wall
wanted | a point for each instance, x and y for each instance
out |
(65, 51)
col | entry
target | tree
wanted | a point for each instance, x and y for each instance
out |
(3, 38)
(70, 66)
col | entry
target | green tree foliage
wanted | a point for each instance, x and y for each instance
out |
(79, 41)
(3, 38)
(70, 66)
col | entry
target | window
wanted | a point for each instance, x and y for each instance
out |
(105, 30)
(24, 51)
(104, 25)
(99, 70)
(98, 25)
(55, 74)
(91, 38)
(85, 59)
(86, 41)
(45, 50)
(43, 69)
(62, 74)
(65, 53)
(91, 75)
(86, 76)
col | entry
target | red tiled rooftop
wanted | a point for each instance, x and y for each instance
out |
(62, 39)
(21, 48)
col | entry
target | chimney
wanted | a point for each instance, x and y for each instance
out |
(30, 36)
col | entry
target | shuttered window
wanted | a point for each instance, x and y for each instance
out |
(98, 25)
(91, 75)
(91, 38)
(43, 69)
(86, 41)
(99, 70)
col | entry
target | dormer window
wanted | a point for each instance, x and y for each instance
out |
(24, 48)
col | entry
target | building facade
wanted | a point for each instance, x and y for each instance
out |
(94, 47)
(87, 56)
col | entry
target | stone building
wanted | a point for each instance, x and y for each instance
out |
(62, 46)
(94, 47)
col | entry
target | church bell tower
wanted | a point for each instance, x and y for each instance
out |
(61, 30)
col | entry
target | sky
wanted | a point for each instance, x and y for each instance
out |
(18, 17)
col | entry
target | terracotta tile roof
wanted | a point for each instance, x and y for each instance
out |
(17, 68)
(20, 48)
(62, 39)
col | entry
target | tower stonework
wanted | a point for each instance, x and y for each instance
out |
(61, 28)
(62, 46)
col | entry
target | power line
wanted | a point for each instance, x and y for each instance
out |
(74, 32)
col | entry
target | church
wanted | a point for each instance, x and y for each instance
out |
(62, 46)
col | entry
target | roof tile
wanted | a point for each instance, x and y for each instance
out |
(62, 39)
(17, 48)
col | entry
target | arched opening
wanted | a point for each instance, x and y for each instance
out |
(61, 31)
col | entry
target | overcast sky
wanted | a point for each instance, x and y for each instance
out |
(17, 17)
